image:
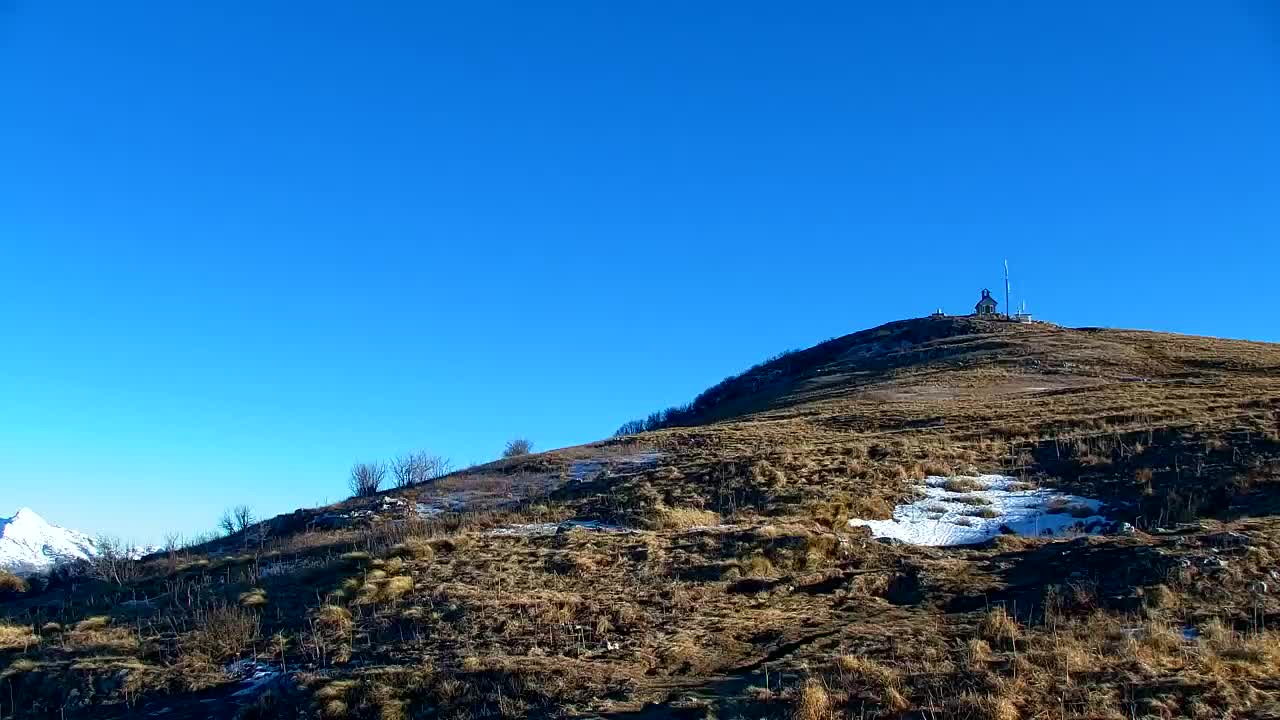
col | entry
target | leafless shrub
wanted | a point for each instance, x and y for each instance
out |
(631, 427)
(114, 561)
(172, 544)
(419, 467)
(517, 447)
(200, 539)
(366, 478)
(11, 584)
(227, 523)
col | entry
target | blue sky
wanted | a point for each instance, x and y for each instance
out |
(244, 244)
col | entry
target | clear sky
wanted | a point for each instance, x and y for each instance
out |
(243, 244)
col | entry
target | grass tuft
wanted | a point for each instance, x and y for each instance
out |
(813, 702)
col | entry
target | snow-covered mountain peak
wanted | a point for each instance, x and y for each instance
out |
(25, 515)
(29, 544)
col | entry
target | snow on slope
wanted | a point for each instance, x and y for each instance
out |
(995, 505)
(30, 545)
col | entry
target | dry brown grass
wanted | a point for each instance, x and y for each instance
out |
(417, 548)
(683, 518)
(395, 588)
(222, 634)
(16, 637)
(999, 629)
(964, 484)
(332, 617)
(813, 702)
(870, 681)
(11, 584)
(976, 706)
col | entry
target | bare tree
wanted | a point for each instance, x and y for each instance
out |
(366, 478)
(419, 467)
(243, 517)
(517, 447)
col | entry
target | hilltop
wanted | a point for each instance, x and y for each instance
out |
(733, 561)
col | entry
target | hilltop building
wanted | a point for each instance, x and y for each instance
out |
(1022, 315)
(986, 306)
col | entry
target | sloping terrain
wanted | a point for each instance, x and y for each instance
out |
(709, 568)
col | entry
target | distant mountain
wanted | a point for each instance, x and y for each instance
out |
(30, 545)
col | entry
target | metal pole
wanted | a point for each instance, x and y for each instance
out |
(1007, 315)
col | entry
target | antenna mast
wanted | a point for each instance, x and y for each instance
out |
(1006, 290)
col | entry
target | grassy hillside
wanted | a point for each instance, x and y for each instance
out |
(707, 568)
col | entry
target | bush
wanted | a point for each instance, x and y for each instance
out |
(221, 633)
(366, 478)
(417, 468)
(11, 584)
(517, 447)
(114, 561)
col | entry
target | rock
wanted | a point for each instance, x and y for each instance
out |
(890, 541)
(1125, 529)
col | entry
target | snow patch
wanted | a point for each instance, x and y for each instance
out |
(955, 516)
(543, 529)
(583, 470)
(451, 503)
(252, 675)
(30, 545)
